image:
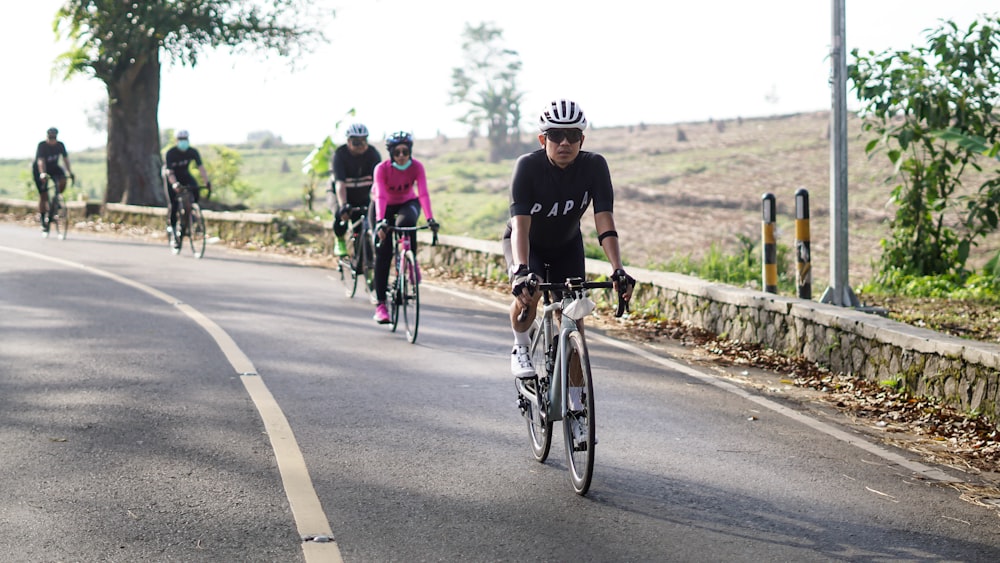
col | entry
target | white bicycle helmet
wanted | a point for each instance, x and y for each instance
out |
(357, 130)
(562, 114)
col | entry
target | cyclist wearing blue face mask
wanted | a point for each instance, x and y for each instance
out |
(399, 195)
(177, 173)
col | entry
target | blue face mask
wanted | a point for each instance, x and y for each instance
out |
(404, 166)
(183, 144)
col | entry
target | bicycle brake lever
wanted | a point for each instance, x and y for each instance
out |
(622, 307)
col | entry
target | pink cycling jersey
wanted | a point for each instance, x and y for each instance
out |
(394, 187)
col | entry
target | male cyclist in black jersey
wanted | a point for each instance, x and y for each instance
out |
(352, 168)
(45, 165)
(550, 190)
(177, 173)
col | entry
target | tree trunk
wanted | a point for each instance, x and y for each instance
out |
(134, 136)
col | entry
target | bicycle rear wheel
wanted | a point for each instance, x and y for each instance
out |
(578, 424)
(411, 296)
(539, 427)
(196, 235)
(368, 265)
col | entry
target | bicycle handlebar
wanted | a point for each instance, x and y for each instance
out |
(576, 285)
(391, 228)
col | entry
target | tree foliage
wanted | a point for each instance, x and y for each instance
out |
(931, 111)
(121, 43)
(487, 86)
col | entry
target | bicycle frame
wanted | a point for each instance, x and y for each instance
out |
(559, 372)
(56, 206)
(544, 398)
(352, 227)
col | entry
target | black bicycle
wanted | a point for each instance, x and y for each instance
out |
(404, 289)
(58, 213)
(190, 223)
(360, 259)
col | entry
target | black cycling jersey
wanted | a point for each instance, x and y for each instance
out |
(357, 173)
(180, 162)
(50, 154)
(556, 198)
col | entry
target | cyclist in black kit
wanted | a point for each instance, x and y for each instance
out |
(45, 165)
(353, 170)
(177, 174)
(550, 190)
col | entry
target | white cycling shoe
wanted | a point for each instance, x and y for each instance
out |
(520, 363)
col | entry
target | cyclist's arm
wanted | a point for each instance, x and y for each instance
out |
(520, 248)
(65, 158)
(422, 194)
(204, 173)
(40, 162)
(605, 223)
(340, 190)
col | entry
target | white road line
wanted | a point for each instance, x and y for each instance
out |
(310, 520)
(888, 455)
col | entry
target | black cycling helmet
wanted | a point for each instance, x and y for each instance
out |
(399, 138)
(52, 132)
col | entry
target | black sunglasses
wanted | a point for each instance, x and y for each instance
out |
(401, 152)
(558, 135)
(358, 142)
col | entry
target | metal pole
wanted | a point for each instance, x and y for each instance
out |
(803, 256)
(839, 292)
(769, 269)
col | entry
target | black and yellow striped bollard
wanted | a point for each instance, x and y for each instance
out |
(770, 265)
(803, 255)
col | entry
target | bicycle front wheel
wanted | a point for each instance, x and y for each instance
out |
(410, 303)
(197, 233)
(395, 297)
(539, 426)
(353, 263)
(578, 421)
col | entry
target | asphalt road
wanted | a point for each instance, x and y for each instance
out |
(161, 408)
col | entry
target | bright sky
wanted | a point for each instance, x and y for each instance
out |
(625, 62)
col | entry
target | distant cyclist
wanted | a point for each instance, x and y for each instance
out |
(46, 165)
(177, 171)
(353, 170)
(400, 192)
(550, 190)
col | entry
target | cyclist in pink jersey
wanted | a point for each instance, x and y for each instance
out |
(396, 202)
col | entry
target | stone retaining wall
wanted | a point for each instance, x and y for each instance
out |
(963, 373)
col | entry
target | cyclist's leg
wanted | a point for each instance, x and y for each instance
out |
(43, 195)
(383, 263)
(520, 355)
(570, 264)
(186, 210)
(408, 214)
(60, 179)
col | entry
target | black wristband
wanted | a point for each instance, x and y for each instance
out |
(606, 234)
